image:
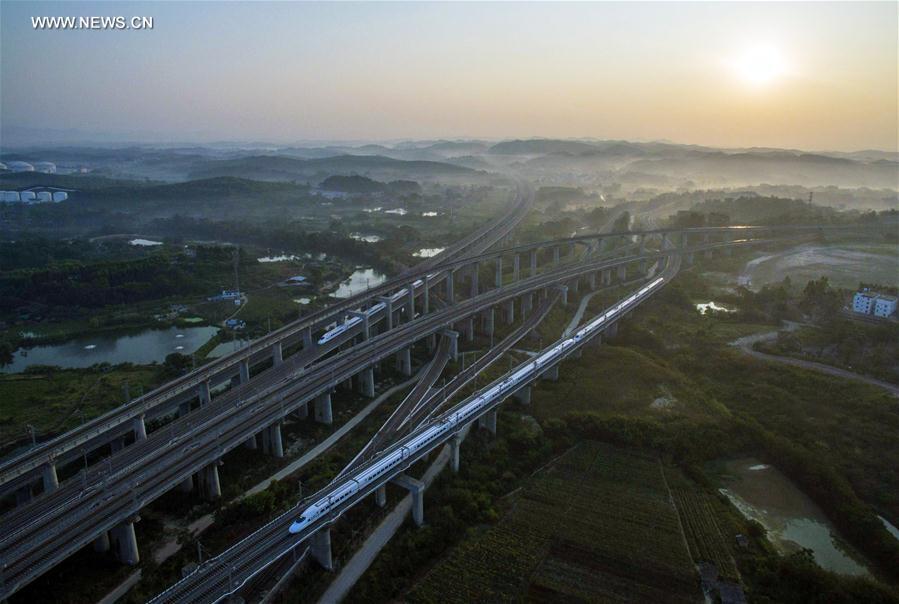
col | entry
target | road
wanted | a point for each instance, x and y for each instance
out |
(746, 343)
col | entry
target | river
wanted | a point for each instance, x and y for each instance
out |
(792, 520)
(141, 348)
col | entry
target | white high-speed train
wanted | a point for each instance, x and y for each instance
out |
(453, 420)
(333, 332)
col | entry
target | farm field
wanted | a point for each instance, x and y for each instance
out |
(597, 525)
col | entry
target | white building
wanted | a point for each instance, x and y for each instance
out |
(872, 303)
(47, 167)
(884, 306)
(863, 302)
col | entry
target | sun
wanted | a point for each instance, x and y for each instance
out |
(760, 66)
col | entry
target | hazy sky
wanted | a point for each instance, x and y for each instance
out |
(805, 75)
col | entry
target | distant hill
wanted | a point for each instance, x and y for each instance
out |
(361, 184)
(541, 147)
(275, 168)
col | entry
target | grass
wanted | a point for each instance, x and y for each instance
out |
(49, 400)
(594, 526)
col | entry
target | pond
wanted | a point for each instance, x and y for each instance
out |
(145, 242)
(792, 520)
(704, 307)
(365, 238)
(281, 258)
(428, 252)
(141, 348)
(359, 281)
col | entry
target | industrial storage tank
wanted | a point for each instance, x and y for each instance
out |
(60, 196)
(44, 196)
(47, 167)
(20, 166)
(27, 196)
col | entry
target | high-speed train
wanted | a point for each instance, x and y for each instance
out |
(454, 419)
(335, 331)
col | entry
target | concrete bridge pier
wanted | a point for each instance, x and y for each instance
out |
(307, 338)
(575, 286)
(523, 395)
(498, 279)
(368, 377)
(469, 328)
(489, 321)
(209, 481)
(404, 361)
(592, 281)
(516, 267)
(510, 312)
(527, 302)
(140, 428)
(251, 444)
(556, 255)
(321, 548)
(203, 393)
(473, 280)
(622, 273)
(410, 301)
(244, 371)
(381, 496)
(607, 277)
(322, 411)
(277, 354)
(564, 290)
(49, 477)
(690, 258)
(551, 374)
(388, 310)
(125, 542)
(454, 342)
(275, 444)
(533, 263)
(417, 489)
(612, 330)
(366, 328)
(488, 421)
(425, 296)
(302, 411)
(448, 283)
(455, 443)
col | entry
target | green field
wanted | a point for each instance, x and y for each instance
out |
(597, 525)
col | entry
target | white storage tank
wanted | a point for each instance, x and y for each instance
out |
(20, 166)
(60, 196)
(27, 196)
(47, 167)
(44, 196)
